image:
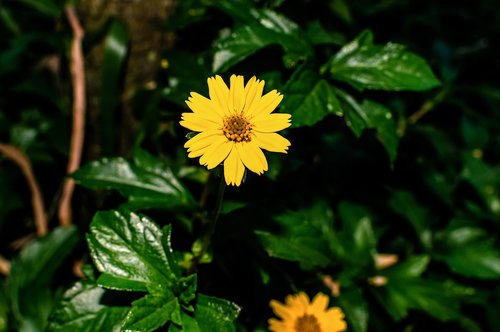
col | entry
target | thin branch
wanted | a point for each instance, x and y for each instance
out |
(20, 159)
(4, 266)
(77, 68)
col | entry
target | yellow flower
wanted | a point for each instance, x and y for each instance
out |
(234, 125)
(301, 315)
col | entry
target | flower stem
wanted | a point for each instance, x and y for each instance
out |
(207, 238)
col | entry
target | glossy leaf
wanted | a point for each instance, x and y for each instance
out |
(152, 311)
(131, 251)
(146, 182)
(248, 39)
(81, 310)
(309, 99)
(389, 67)
(214, 314)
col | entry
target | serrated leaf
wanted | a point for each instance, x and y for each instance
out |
(309, 99)
(152, 312)
(214, 314)
(146, 183)
(131, 251)
(80, 310)
(389, 67)
(32, 273)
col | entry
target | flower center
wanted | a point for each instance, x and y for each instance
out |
(307, 323)
(236, 128)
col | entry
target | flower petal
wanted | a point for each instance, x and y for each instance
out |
(252, 156)
(233, 168)
(276, 325)
(281, 310)
(219, 94)
(217, 152)
(267, 103)
(202, 139)
(271, 142)
(202, 105)
(319, 303)
(270, 123)
(195, 122)
(253, 93)
(236, 94)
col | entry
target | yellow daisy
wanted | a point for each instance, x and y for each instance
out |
(298, 314)
(234, 125)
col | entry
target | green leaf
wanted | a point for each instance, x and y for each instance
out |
(131, 252)
(411, 268)
(405, 204)
(389, 67)
(307, 250)
(152, 312)
(309, 99)
(419, 294)
(405, 290)
(358, 232)
(115, 53)
(31, 276)
(370, 114)
(80, 310)
(307, 236)
(318, 35)
(354, 305)
(471, 252)
(146, 182)
(248, 39)
(214, 314)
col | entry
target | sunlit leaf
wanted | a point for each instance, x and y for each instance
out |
(389, 67)
(81, 310)
(146, 182)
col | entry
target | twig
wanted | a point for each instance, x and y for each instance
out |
(428, 106)
(77, 68)
(18, 157)
(4, 266)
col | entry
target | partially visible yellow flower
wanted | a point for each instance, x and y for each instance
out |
(234, 125)
(298, 314)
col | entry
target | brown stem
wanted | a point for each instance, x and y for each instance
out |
(20, 159)
(77, 69)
